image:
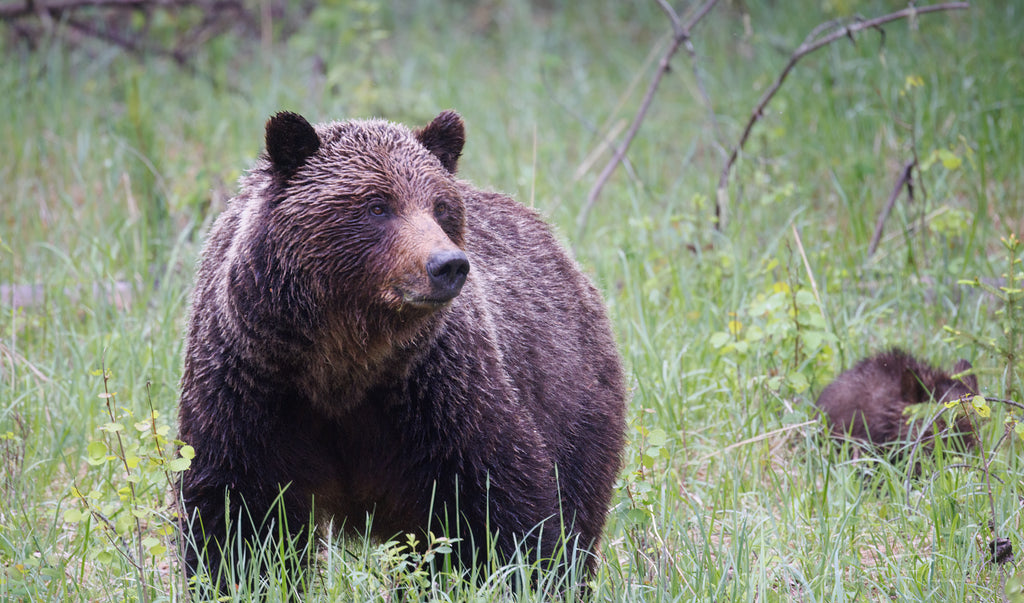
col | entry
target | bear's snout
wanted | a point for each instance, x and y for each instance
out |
(447, 271)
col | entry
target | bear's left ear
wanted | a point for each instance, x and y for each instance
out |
(444, 137)
(290, 141)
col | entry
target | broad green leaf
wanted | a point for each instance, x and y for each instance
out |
(96, 450)
(178, 465)
(949, 159)
(719, 339)
(981, 406)
(104, 557)
(798, 382)
(657, 437)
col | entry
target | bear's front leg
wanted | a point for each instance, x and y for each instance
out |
(246, 507)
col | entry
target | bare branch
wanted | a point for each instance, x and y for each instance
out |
(811, 44)
(56, 7)
(677, 26)
(79, 17)
(680, 35)
(906, 179)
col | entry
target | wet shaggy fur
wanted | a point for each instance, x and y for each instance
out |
(867, 401)
(337, 350)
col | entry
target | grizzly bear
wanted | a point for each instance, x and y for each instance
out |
(370, 336)
(867, 402)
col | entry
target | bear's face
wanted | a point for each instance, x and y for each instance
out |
(367, 214)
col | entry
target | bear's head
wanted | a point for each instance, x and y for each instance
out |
(363, 220)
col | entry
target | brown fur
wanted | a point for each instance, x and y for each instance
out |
(324, 358)
(867, 401)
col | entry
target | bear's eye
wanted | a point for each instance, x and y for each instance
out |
(441, 209)
(378, 207)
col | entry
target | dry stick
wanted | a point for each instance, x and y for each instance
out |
(55, 7)
(807, 267)
(705, 97)
(46, 10)
(178, 57)
(680, 35)
(758, 438)
(905, 179)
(810, 45)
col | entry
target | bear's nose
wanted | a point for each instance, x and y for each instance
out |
(447, 270)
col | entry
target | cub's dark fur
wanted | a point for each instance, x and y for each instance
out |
(867, 401)
(373, 336)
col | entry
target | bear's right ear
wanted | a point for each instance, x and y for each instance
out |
(971, 381)
(290, 141)
(444, 137)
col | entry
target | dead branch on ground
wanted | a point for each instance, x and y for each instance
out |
(680, 37)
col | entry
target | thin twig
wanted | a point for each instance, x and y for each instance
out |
(906, 179)
(807, 267)
(1007, 402)
(49, 11)
(680, 35)
(56, 7)
(758, 438)
(705, 97)
(810, 45)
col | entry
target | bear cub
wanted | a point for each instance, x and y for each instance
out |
(371, 336)
(867, 401)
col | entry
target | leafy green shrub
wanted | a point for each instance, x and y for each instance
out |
(127, 516)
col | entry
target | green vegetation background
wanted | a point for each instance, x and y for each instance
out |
(112, 167)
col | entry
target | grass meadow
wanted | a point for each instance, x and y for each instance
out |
(113, 166)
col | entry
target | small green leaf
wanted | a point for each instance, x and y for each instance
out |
(187, 452)
(96, 450)
(73, 516)
(648, 462)
(754, 334)
(719, 339)
(949, 160)
(657, 438)
(179, 465)
(805, 298)
(104, 557)
(981, 406)
(813, 339)
(798, 382)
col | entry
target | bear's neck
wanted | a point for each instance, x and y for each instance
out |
(348, 360)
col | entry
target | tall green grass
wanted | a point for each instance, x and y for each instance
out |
(113, 167)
